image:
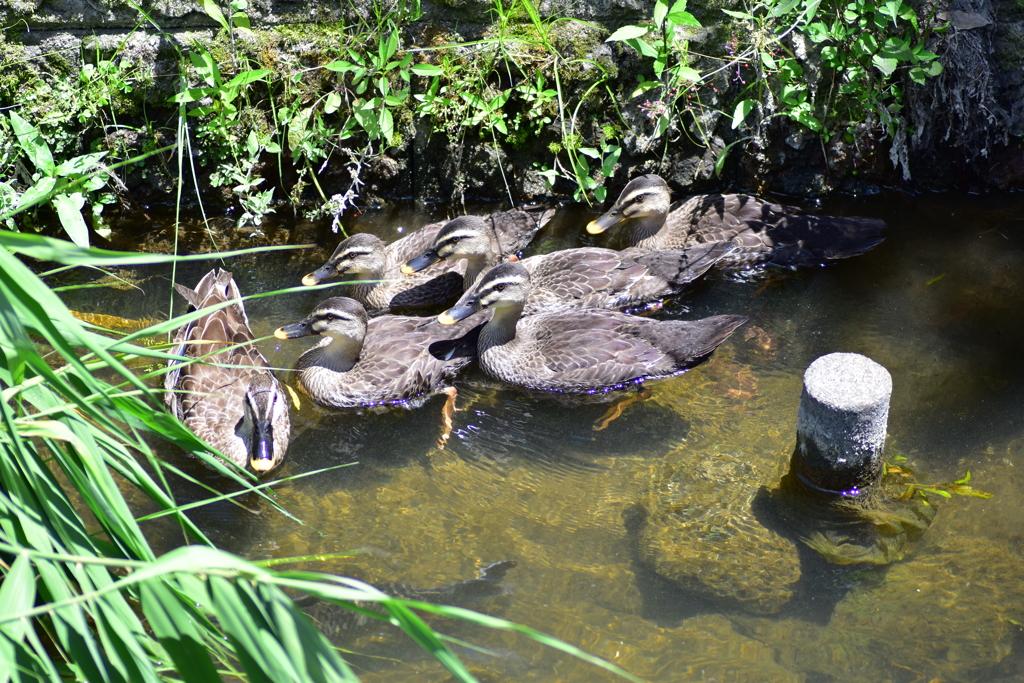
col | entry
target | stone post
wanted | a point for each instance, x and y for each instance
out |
(841, 424)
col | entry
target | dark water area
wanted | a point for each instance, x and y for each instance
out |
(524, 478)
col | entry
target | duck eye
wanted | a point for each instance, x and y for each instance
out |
(500, 287)
(329, 316)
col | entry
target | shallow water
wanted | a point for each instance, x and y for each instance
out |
(939, 304)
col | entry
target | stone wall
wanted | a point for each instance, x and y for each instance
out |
(964, 132)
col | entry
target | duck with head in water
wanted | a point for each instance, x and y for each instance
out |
(762, 232)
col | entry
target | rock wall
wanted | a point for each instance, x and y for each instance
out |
(963, 127)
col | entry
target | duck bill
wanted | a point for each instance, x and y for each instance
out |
(324, 272)
(457, 313)
(294, 331)
(596, 227)
(261, 456)
(415, 265)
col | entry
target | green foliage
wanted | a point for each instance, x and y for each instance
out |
(866, 48)
(64, 185)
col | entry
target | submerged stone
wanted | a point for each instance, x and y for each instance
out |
(701, 532)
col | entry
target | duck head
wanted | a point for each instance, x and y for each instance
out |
(463, 237)
(645, 198)
(504, 288)
(361, 257)
(264, 407)
(343, 321)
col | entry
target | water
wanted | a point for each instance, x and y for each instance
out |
(939, 304)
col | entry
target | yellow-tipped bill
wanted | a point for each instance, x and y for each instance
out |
(406, 270)
(294, 331)
(262, 465)
(446, 319)
(309, 280)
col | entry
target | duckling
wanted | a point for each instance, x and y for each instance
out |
(588, 277)
(586, 351)
(377, 266)
(387, 360)
(762, 232)
(227, 396)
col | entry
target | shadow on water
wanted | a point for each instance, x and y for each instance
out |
(940, 304)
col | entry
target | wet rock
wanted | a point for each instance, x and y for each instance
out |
(700, 530)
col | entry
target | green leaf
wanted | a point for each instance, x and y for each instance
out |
(37, 193)
(687, 73)
(739, 15)
(33, 144)
(333, 103)
(643, 47)
(175, 628)
(366, 114)
(192, 95)
(683, 19)
(213, 11)
(885, 64)
(660, 12)
(297, 128)
(69, 211)
(202, 60)
(607, 168)
(387, 124)
(743, 108)
(17, 593)
(784, 7)
(644, 87)
(340, 66)
(80, 164)
(241, 20)
(720, 161)
(627, 32)
(426, 70)
(247, 77)
(252, 144)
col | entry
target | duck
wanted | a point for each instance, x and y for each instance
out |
(389, 360)
(587, 277)
(583, 351)
(762, 232)
(376, 266)
(226, 393)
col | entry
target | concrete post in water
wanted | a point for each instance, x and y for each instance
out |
(841, 425)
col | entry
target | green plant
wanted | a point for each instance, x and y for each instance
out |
(64, 185)
(219, 103)
(866, 47)
(669, 50)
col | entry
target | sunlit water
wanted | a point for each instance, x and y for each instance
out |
(939, 304)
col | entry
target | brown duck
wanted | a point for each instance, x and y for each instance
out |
(227, 395)
(588, 277)
(376, 266)
(387, 360)
(586, 351)
(762, 232)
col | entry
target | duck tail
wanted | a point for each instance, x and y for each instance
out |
(692, 341)
(805, 239)
(684, 266)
